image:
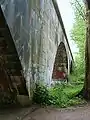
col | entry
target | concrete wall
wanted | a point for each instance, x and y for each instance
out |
(37, 33)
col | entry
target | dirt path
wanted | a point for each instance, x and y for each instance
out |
(36, 113)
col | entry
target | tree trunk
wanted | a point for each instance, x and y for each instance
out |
(86, 92)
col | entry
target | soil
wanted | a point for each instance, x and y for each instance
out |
(46, 113)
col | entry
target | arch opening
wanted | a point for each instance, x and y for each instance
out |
(60, 68)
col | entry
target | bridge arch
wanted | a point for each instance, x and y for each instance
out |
(61, 59)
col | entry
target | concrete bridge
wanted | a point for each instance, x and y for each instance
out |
(33, 44)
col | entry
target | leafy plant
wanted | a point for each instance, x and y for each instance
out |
(59, 95)
(60, 98)
(41, 95)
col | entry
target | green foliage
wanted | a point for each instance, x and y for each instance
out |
(78, 31)
(64, 95)
(72, 90)
(60, 98)
(59, 95)
(78, 35)
(78, 73)
(76, 101)
(79, 9)
(41, 95)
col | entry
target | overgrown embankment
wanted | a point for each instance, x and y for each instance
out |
(60, 95)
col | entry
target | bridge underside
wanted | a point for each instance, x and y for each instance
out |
(11, 76)
(29, 42)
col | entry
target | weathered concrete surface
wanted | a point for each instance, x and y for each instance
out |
(37, 32)
(11, 76)
(35, 113)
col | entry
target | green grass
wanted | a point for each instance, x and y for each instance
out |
(65, 95)
(72, 90)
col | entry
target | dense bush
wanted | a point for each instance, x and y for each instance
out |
(41, 95)
(60, 98)
(59, 95)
